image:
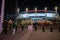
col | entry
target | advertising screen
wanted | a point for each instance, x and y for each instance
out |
(50, 15)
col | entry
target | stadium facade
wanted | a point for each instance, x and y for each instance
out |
(38, 15)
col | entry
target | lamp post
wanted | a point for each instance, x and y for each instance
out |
(56, 12)
(35, 9)
(18, 10)
(56, 9)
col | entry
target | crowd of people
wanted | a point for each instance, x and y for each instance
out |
(12, 26)
(9, 26)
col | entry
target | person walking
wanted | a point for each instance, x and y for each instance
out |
(35, 25)
(10, 24)
(30, 27)
(14, 28)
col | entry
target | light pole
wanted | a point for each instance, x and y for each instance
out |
(2, 15)
(26, 10)
(56, 9)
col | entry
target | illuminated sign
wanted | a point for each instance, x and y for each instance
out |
(50, 15)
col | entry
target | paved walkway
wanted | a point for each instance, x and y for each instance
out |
(35, 35)
(19, 34)
(26, 36)
(38, 35)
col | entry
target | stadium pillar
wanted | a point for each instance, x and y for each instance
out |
(2, 15)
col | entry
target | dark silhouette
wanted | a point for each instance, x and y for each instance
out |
(10, 25)
(43, 28)
(35, 26)
(5, 26)
(51, 29)
(22, 27)
(59, 27)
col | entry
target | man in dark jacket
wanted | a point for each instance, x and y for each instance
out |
(35, 26)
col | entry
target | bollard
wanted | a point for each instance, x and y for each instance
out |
(35, 26)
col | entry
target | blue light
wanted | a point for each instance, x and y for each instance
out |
(50, 15)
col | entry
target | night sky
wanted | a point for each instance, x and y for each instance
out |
(10, 5)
